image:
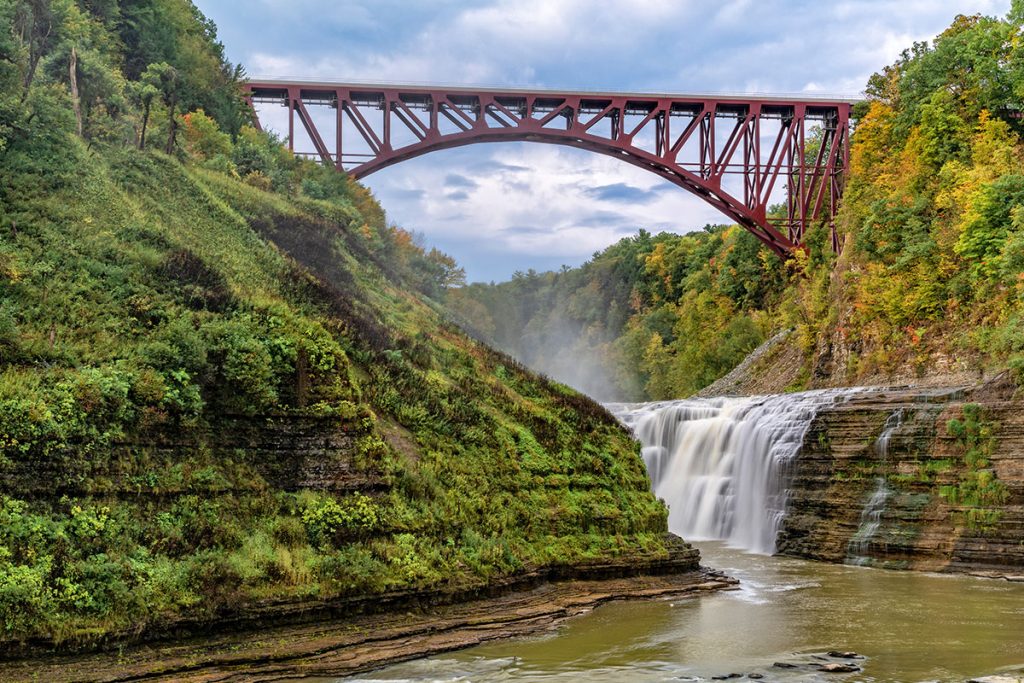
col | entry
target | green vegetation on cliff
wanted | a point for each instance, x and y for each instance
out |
(222, 384)
(979, 490)
(931, 275)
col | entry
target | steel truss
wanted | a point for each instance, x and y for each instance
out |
(695, 142)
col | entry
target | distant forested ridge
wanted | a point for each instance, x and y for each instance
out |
(930, 278)
(650, 316)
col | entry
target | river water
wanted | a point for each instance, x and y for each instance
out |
(910, 626)
(722, 467)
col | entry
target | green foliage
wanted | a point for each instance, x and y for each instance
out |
(984, 235)
(329, 521)
(203, 139)
(980, 492)
(943, 132)
(175, 33)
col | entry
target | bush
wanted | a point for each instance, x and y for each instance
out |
(329, 521)
(203, 138)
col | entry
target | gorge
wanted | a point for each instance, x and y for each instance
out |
(253, 429)
(855, 477)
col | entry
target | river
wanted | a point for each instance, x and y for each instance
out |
(721, 465)
(910, 627)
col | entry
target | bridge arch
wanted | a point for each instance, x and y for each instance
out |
(693, 142)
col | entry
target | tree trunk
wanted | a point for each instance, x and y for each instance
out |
(172, 127)
(36, 44)
(145, 122)
(75, 101)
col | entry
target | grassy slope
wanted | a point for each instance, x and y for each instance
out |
(143, 304)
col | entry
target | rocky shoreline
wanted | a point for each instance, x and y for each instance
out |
(345, 646)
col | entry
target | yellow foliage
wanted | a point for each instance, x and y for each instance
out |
(873, 142)
(995, 149)
(8, 270)
(655, 265)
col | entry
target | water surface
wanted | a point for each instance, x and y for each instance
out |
(910, 626)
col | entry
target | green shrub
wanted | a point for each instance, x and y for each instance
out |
(329, 521)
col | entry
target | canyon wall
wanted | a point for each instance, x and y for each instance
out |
(886, 479)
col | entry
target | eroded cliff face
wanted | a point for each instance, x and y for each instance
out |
(884, 479)
(238, 455)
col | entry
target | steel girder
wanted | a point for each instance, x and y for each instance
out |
(733, 152)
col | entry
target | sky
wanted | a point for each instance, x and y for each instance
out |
(501, 208)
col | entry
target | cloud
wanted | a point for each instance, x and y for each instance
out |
(621, 192)
(495, 166)
(456, 180)
(505, 207)
(602, 219)
(409, 194)
(525, 230)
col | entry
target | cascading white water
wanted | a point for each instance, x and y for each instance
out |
(871, 515)
(722, 465)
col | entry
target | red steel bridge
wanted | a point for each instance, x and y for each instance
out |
(740, 154)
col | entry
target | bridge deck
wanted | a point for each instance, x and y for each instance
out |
(261, 85)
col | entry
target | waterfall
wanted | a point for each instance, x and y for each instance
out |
(722, 465)
(871, 515)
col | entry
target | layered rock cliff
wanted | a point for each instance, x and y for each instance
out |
(891, 478)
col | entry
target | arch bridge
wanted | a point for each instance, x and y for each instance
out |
(738, 153)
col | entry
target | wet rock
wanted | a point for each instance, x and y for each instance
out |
(839, 668)
(756, 677)
(834, 474)
(726, 677)
(784, 665)
(836, 654)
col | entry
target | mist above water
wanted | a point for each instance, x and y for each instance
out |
(564, 351)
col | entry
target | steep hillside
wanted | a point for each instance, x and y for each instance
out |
(224, 393)
(929, 286)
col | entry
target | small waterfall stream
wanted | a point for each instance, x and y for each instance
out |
(722, 465)
(871, 515)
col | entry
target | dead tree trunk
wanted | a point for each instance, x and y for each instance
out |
(75, 101)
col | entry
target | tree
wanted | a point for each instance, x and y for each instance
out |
(142, 93)
(38, 24)
(175, 32)
(987, 223)
(76, 100)
(160, 78)
(203, 138)
(447, 271)
(10, 75)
